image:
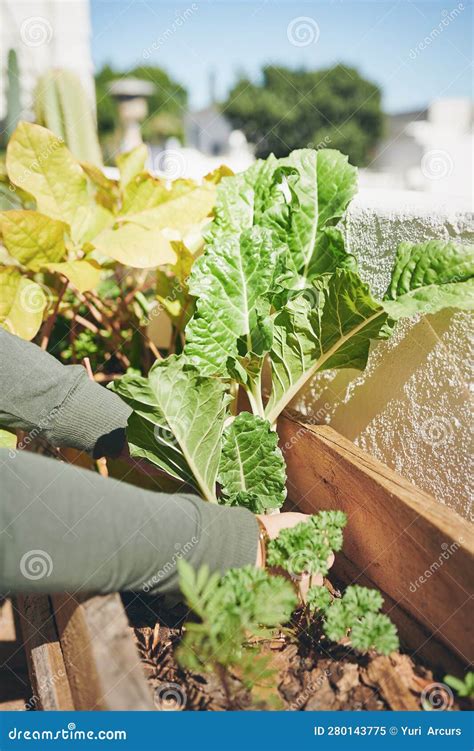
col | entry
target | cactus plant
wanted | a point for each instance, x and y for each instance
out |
(13, 94)
(62, 105)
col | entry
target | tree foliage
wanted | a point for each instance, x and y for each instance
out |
(292, 109)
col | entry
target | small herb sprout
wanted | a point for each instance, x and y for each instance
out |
(318, 598)
(355, 615)
(243, 605)
(306, 548)
(464, 688)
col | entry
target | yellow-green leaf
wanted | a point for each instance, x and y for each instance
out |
(39, 162)
(184, 260)
(22, 303)
(90, 221)
(32, 238)
(216, 175)
(107, 190)
(143, 192)
(180, 211)
(83, 274)
(135, 246)
(7, 440)
(131, 163)
(172, 289)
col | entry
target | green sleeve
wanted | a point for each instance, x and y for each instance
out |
(67, 529)
(41, 396)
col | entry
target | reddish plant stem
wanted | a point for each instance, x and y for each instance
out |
(102, 320)
(52, 319)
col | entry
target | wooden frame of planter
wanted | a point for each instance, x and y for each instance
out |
(80, 651)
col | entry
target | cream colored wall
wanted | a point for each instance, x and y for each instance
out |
(411, 407)
(45, 34)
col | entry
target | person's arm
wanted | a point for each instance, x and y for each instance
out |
(39, 395)
(68, 529)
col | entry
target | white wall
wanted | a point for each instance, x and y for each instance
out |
(45, 34)
(411, 407)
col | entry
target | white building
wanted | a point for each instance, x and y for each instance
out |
(429, 150)
(45, 34)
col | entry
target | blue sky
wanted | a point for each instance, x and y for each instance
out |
(381, 39)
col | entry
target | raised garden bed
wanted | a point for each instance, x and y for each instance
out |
(89, 656)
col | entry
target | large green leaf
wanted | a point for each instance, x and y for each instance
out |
(241, 197)
(22, 303)
(296, 197)
(316, 187)
(32, 238)
(429, 277)
(337, 185)
(332, 328)
(331, 324)
(178, 421)
(329, 254)
(41, 164)
(252, 467)
(234, 274)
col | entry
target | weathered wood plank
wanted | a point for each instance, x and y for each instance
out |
(396, 534)
(102, 664)
(49, 682)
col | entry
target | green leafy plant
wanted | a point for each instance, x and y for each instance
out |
(463, 686)
(235, 611)
(275, 288)
(71, 225)
(355, 616)
(306, 548)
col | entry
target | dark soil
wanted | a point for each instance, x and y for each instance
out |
(311, 674)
